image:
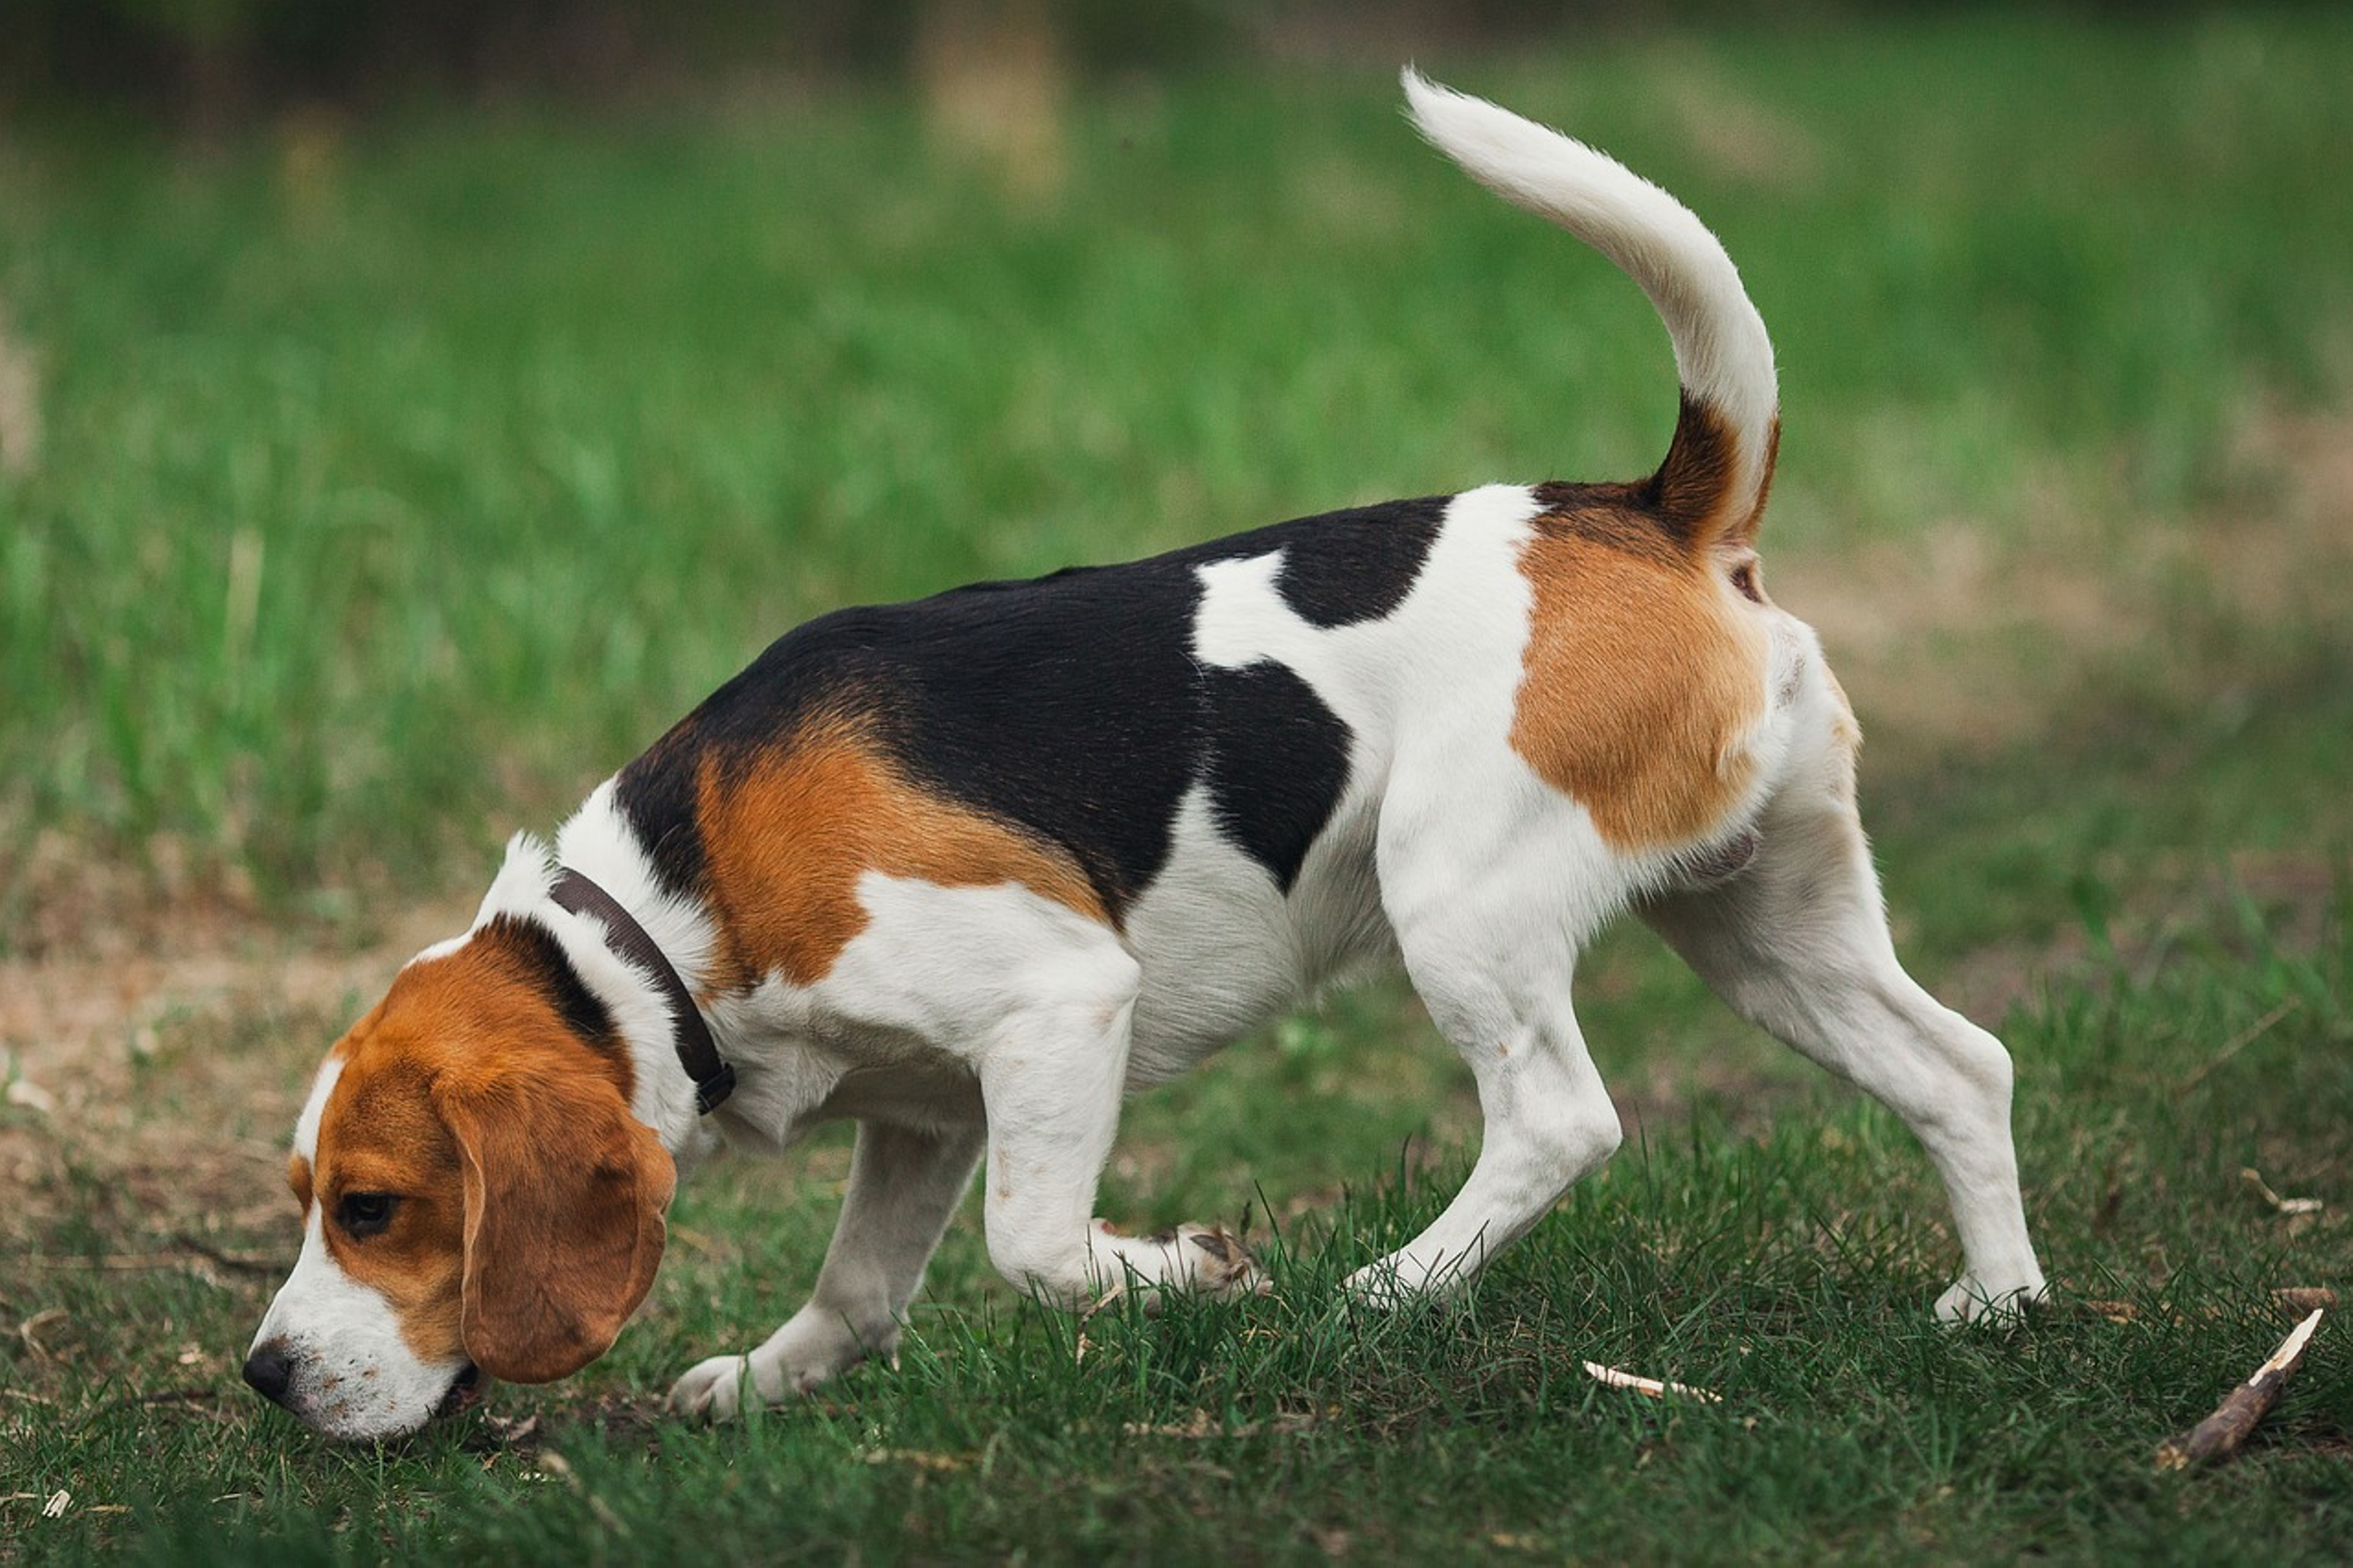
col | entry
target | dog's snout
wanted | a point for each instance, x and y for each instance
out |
(270, 1370)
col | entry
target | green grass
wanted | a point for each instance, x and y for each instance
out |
(1787, 1267)
(380, 509)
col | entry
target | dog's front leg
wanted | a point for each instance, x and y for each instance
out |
(1052, 1081)
(904, 1185)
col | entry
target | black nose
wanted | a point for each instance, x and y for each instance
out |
(269, 1369)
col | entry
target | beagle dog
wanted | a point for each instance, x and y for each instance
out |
(966, 870)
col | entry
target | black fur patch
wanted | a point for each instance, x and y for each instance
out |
(1278, 759)
(1688, 490)
(542, 959)
(1664, 516)
(1070, 705)
(1359, 566)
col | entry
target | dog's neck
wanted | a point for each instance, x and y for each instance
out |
(789, 1075)
(598, 843)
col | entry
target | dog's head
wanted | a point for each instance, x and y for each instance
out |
(477, 1197)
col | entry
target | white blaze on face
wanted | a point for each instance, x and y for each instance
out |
(353, 1375)
(306, 1126)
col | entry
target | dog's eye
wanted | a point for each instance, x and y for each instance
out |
(362, 1214)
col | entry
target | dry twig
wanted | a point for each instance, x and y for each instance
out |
(238, 1262)
(2254, 1178)
(2220, 1435)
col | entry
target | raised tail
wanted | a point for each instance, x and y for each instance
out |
(1711, 488)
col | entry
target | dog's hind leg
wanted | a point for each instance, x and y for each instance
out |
(1797, 942)
(1490, 948)
(1549, 1122)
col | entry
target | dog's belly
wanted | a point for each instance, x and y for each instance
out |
(1224, 949)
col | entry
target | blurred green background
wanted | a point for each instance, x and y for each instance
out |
(405, 411)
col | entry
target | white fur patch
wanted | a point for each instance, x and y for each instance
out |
(598, 843)
(521, 885)
(1221, 952)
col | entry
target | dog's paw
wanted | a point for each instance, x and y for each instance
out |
(1969, 1301)
(816, 1345)
(1212, 1261)
(711, 1390)
(1197, 1259)
(1408, 1278)
(722, 1388)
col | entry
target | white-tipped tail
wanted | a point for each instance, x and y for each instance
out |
(1722, 356)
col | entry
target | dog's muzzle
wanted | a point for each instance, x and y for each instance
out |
(271, 1372)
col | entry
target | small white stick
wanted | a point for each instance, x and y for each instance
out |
(1614, 1378)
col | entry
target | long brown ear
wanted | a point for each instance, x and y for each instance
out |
(564, 1195)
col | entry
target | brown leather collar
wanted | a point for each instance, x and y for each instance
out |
(698, 1053)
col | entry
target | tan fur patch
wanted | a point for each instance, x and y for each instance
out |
(381, 1134)
(788, 841)
(1642, 677)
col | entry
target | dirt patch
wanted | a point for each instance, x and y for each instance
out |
(20, 402)
(2298, 895)
(1944, 643)
(1732, 133)
(2278, 547)
(175, 1070)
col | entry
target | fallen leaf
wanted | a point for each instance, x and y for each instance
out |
(29, 1330)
